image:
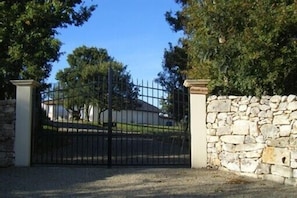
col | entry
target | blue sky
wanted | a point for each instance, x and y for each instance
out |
(134, 32)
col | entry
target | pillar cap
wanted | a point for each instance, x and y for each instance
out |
(31, 83)
(197, 86)
(196, 83)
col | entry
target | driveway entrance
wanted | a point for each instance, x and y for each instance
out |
(107, 122)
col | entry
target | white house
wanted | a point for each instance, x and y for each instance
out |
(54, 110)
(144, 114)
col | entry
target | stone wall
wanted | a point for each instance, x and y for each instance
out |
(7, 132)
(253, 136)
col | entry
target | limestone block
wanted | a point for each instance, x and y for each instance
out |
(295, 173)
(269, 114)
(211, 117)
(291, 98)
(293, 142)
(249, 140)
(251, 154)
(254, 99)
(216, 162)
(222, 123)
(248, 165)
(233, 139)
(222, 116)
(281, 119)
(211, 131)
(274, 178)
(262, 114)
(294, 128)
(222, 97)
(275, 99)
(248, 111)
(244, 117)
(264, 100)
(235, 118)
(241, 127)
(264, 107)
(294, 159)
(228, 147)
(233, 108)
(245, 100)
(265, 121)
(292, 106)
(232, 97)
(260, 139)
(254, 130)
(269, 131)
(224, 130)
(275, 113)
(255, 111)
(218, 146)
(282, 142)
(281, 171)
(278, 156)
(219, 106)
(242, 107)
(211, 150)
(285, 130)
(293, 115)
(282, 106)
(284, 98)
(249, 147)
(229, 120)
(233, 166)
(263, 169)
(273, 105)
(212, 139)
(293, 164)
(209, 145)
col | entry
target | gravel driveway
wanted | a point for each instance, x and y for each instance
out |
(133, 182)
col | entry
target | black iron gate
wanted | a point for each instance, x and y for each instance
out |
(111, 122)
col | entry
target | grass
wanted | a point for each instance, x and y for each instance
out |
(148, 129)
(125, 127)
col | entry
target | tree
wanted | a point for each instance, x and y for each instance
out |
(27, 37)
(85, 83)
(174, 70)
(247, 47)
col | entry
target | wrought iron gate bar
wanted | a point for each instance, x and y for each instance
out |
(111, 122)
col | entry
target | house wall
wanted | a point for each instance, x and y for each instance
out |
(7, 132)
(253, 136)
(130, 116)
(55, 112)
(136, 117)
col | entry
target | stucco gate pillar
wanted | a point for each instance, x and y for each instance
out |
(198, 92)
(23, 125)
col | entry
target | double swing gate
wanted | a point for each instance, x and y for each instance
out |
(113, 122)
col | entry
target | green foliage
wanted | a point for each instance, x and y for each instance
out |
(248, 47)
(27, 37)
(85, 82)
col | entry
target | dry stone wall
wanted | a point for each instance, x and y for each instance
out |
(254, 136)
(7, 132)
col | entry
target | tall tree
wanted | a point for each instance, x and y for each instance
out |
(174, 69)
(248, 47)
(85, 82)
(27, 37)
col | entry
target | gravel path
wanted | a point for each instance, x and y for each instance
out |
(133, 182)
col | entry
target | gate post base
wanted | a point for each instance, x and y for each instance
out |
(198, 92)
(23, 125)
